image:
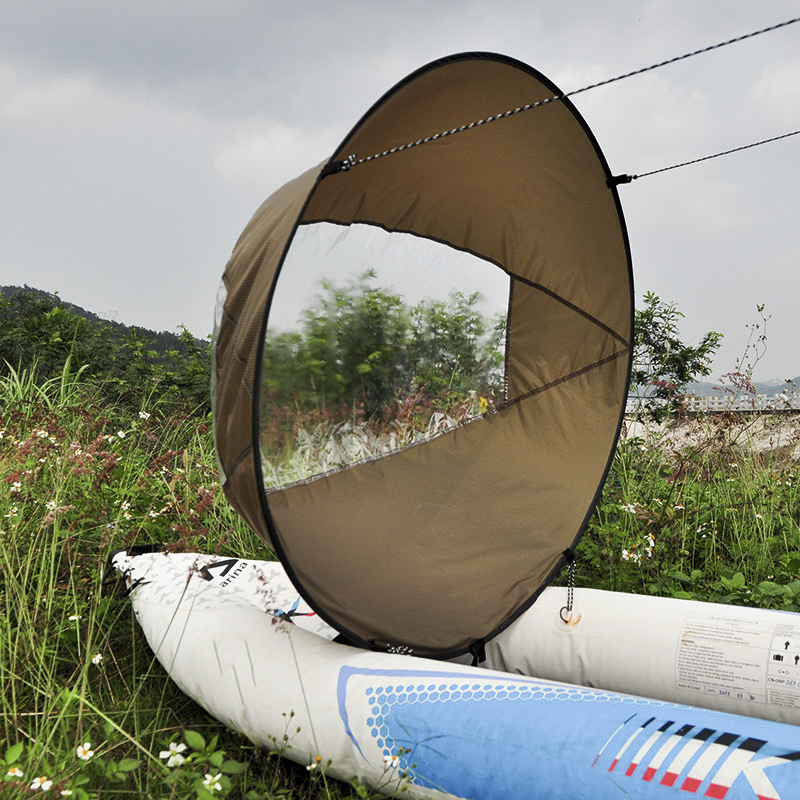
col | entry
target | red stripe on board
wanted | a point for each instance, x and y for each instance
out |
(716, 791)
(669, 779)
(691, 785)
(613, 764)
(649, 773)
(631, 769)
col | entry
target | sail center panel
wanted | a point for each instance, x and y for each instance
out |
(375, 341)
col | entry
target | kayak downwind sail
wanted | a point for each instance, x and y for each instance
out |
(422, 358)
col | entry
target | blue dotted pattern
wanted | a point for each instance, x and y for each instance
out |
(387, 703)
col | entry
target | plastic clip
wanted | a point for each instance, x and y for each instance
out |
(616, 180)
(334, 167)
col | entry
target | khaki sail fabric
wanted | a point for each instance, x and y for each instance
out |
(439, 545)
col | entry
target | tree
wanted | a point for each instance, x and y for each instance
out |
(662, 363)
(364, 347)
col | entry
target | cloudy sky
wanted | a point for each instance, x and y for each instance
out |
(137, 139)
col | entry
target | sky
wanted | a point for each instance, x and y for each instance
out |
(137, 139)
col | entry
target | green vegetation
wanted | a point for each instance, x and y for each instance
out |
(366, 373)
(706, 507)
(662, 364)
(81, 478)
(39, 333)
(361, 346)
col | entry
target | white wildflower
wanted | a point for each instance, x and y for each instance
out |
(84, 752)
(173, 755)
(42, 783)
(632, 555)
(212, 783)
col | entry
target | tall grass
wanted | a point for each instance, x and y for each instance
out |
(79, 479)
(705, 508)
(708, 509)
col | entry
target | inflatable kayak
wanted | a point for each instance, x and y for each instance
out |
(235, 636)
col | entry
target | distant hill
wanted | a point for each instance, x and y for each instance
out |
(161, 341)
(42, 333)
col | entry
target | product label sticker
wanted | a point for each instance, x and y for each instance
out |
(751, 660)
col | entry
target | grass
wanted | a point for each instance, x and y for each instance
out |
(701, 509)
(78, 480)
(705, 508)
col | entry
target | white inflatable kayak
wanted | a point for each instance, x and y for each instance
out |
(235, 637)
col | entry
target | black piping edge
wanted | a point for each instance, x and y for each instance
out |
(563, 560)
(279, 551)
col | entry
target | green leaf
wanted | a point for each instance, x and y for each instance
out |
(195, 740)
(128, 764)
(792, 561)
(215, 759)
(233, 767)
(14, 752)
(202, 792)
(770, 588)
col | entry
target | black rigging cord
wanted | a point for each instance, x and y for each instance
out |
(353, 161)
(628, 178)
(684, 56)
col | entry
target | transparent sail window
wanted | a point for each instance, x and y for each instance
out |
(375, 341)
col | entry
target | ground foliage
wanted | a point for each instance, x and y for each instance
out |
(85, 707)
(711, 515)
(705, 508)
